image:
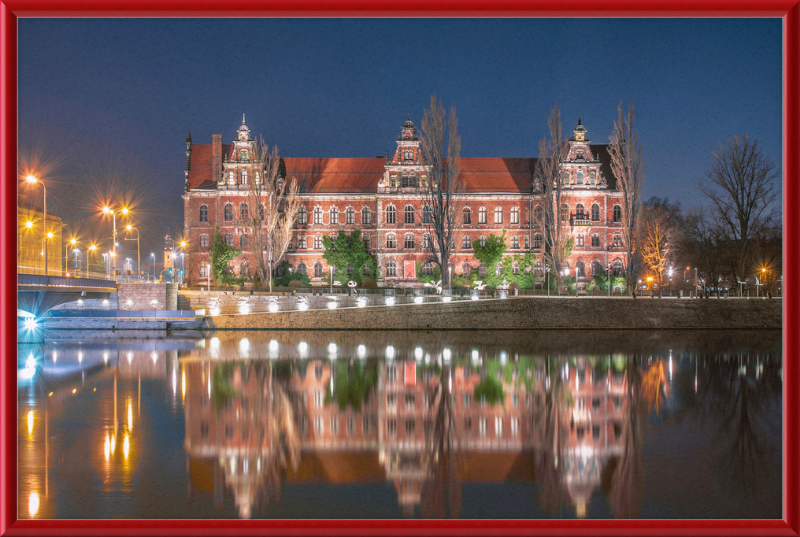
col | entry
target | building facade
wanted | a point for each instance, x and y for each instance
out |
(381, 197)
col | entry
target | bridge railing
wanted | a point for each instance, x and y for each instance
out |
(80, 274)
(62, 281)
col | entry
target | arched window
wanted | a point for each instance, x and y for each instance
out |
(243, 242)
(482, 270)
(466, 269)
(515, 215)
(302, 215)
(597, 268)
(514, 268)
(244, 211)
(427, 214)
(231, 178)
(409, 242)
(244, 269)
(467, 216)
(595, 212)
(592, 177)
(581, 269)
(580, 177)
(317, 215)
(391, 241)
(243, 154)
(537, 241)
(465, 244)
(566, 177)
(498, 270)
(244, 177)
(334, 212)
(482, 215)
(498, 215)
(617, 213)
(409, 214)
(482, 240)
(204, 213)
(391, 269)
(426, 241)
(318, 270)
(301, 268)
(350, 216)
(391, 215)
(579, 212)
(366, 215)
(564, 213)
(228, 212)
(617, 268)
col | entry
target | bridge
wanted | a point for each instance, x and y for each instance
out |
(37, 293)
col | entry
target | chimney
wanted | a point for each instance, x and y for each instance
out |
(216, 156)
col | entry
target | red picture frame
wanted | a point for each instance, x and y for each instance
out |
(788, 10)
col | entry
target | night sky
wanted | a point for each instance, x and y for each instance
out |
(105, 105)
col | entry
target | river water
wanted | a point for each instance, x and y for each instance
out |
(296, 425)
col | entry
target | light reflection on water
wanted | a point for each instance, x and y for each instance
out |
(402, 424)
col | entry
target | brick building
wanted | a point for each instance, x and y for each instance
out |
(381, 198)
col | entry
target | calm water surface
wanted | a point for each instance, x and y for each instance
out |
(284, 425)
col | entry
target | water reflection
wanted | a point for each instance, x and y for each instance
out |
(591, 432)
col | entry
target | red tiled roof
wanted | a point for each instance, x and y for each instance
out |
(497, 174)
(335, 175)
(200, 165)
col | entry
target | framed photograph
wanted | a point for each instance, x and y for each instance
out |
(505, 350)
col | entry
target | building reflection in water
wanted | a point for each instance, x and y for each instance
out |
(426, 422)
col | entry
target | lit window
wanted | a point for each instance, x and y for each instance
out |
(515, 215)
(498, 215)
(467, 216)
(482, 426)
(482, 215)
(391, 215)
(391, 241)
(203, 241)
(409, 242)
(318, 243)
(498, 426)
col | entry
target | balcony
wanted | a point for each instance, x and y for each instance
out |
(581, 221)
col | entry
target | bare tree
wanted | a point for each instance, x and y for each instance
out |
(741, 189)
(628, 168)
(443, 191)
(702, 243)
(548, 180)
(274, 206)
(656, 230)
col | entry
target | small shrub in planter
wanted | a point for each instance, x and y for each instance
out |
(369, 284)
(295, 283)
(513, 286)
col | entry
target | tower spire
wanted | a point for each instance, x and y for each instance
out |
(243, 120)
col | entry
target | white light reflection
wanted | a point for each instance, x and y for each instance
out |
(33, 504)
(389, 352)
(418, 300)
(503, 357)
(105, 358)
(418, 353)
(302, 348)
(475, 356)
(55, 356)
(332, 351)
(154, 356)
(362, 351)
(389, 301)
(446, 355)
(273, 307)
(446, 298)
(130, 356)
(332, 305)
(244, 346)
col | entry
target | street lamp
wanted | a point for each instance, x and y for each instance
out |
(183, 259)
(608, 274)
(33, 180)
(153, 255)
(124, 211)
(649, 285)
(138, 256)
(91, 249)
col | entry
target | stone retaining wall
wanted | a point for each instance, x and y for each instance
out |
(527, 313)
(140, 296)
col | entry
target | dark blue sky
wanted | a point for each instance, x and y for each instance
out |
(104, 98)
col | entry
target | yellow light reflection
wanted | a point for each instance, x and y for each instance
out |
(74, 390)
(183, 383)
(107, 447)
(113, 444)
(33, 504)
(30, 422)
(126, 446)
(130, 417)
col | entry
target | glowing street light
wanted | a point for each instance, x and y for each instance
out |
(124, 211)
(33, 180)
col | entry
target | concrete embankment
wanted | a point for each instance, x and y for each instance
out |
(525, 313)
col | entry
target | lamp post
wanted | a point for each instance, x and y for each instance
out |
(107, 210)
(650, 285)
(72, 242)
(153, 255)
(547, 278)
(33, 180)
(91, 249)
(138, 256)
(763, 274)
(608, 273)
(183, 260)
